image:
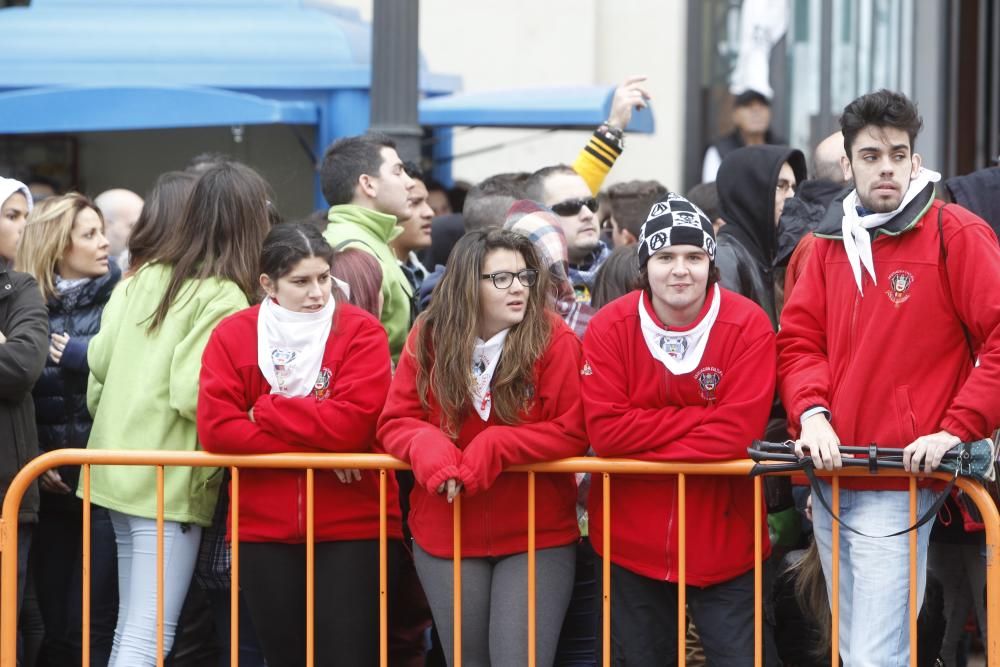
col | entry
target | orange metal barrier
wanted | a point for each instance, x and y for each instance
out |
(605, 468)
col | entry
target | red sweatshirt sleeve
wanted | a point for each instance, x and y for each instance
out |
(677, 433)
(803, 364)
(557, 434)
(223, 424)
(406, 433)
(973, 267)
(345, 421)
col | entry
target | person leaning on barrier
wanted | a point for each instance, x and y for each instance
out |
(305, 371)
(679, 370)
(489, 379)
(877, 345)
(143, 393)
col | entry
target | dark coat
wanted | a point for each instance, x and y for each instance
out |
(748, 242)
(803, 213)
(61, 392)
(25, 325)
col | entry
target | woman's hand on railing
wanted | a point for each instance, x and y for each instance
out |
(451, 487)
(347, 475)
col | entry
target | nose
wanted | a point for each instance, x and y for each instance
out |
(407, 181)
(585, 214)
(314, 289)
(102, 241)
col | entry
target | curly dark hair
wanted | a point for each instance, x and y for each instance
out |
(883, 108)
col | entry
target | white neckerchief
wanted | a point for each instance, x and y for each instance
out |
(485, 357)
(290, 346)
(679, 351)
(857, 240)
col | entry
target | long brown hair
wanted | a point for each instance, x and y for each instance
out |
(160, 216)
(448, 329)
(47, 237)
(220, 234)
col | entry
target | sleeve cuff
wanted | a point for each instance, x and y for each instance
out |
(815, 410)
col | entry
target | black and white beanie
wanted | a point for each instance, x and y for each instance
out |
(673, 220)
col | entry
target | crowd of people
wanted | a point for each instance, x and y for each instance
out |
(841, 301)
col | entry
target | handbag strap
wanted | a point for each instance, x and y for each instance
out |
(817, 489)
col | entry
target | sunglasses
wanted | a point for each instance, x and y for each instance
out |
(573, 206)
(504, 279)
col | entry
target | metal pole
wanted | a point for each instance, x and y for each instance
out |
(395, 59)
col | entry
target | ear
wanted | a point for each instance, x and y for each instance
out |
(367, 186)
(629, 237)
(267, 284)
(915, 162)
(845, 167)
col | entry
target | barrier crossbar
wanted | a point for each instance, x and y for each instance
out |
(603, 469)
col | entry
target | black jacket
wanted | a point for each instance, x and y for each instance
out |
(61, 392)
(25, 325)
(803, 213)
(978, 193)
(748, 242)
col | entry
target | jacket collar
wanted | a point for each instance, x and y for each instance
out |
(380, 225)
(904, 221)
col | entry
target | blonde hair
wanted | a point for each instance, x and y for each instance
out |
(47, 237)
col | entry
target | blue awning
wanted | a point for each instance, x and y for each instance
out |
(563, 107)
(103, 108)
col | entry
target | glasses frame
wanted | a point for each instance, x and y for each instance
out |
(508, 277)
(575, 205)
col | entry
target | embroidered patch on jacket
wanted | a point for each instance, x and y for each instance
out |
(321, 389)
(708, 379)
(586, 370)
(900, 283)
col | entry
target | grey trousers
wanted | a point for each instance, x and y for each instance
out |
(962, 570)
(495, 604)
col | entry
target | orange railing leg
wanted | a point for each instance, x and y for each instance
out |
(310, 573)
(531, 570)
(835, 577)
(681, 569)
(913, 573)
(85, 593)
(234, 570)
(457, 578)
(606, 571)
(383, 574)
(758, 578)
(159, 566)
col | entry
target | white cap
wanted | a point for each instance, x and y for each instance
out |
(9, 186)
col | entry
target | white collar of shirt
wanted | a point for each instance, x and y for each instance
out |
(679, 351)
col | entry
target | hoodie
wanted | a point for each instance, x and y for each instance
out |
(371, 231)
(748, 243)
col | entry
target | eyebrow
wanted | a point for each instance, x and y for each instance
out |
(876, 149)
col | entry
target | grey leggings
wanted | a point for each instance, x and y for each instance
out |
(495, 604)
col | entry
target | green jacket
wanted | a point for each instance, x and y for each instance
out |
(371, 231)
(143, 392)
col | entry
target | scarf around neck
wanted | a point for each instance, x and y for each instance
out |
(679, 351)
(854, 226)
(290, 346)
(485, 357)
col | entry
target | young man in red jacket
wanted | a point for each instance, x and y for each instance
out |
(681, 370)
(877, 345)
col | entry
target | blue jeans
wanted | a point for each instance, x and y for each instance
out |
(874, 573)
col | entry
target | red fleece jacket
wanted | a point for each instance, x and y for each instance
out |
(894, 364)
(636, 409)
(338, 417)
(494, 503)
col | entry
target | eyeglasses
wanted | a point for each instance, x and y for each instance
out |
(504, 279)
(573, 206)
(784, 187)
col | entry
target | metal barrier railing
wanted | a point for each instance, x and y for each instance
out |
(604, 468)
